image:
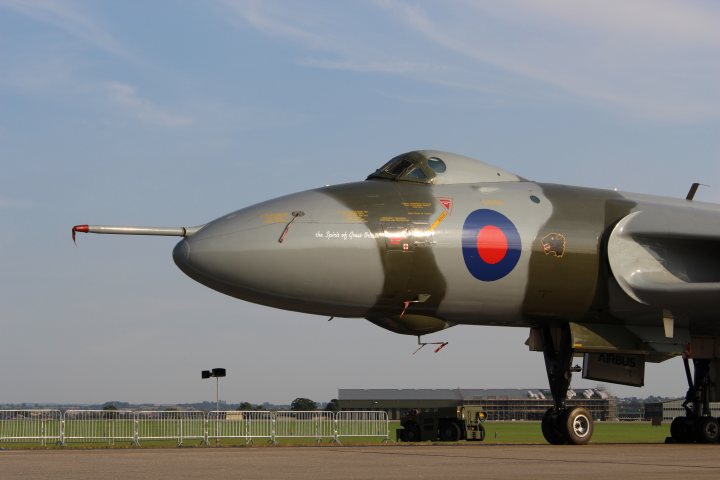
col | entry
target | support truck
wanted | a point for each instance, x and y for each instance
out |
(447, 424)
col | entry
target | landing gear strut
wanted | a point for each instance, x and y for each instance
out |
(562, 425)
(697, 425)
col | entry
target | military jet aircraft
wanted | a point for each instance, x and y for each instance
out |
(433, 239)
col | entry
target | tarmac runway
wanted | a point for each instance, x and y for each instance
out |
(396, 462)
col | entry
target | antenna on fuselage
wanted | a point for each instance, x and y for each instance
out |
(422, 344)
(693, 190)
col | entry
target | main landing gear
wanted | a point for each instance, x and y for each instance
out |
(563, 425)
(697, 425)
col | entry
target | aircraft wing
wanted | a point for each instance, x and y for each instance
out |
(668, 258)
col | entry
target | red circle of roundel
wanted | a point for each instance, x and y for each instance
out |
(490, 244)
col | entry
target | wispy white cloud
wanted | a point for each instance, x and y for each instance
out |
(270, 20)
(656, 22)
(56, 78)
(654, 59)
(640, 67)
(322, 31)
(59, 74)
(369, 66)
(66, 16)
(639, 58)
(126, 96)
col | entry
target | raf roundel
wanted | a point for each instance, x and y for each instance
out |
(490, 245)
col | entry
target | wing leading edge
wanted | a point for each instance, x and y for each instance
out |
(668, 259)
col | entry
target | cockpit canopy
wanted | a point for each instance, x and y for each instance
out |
(440, 168)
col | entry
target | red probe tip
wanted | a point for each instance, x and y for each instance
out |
(79, 228)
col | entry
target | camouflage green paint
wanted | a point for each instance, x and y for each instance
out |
(407, 273)
(615, 209)
(565, 287)
(425, 277)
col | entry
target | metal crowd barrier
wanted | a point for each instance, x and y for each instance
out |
(170, 425)
(31, 426)
(363, 424)
(98, 426)
(110, 426)
(317, 425)
(248, 425)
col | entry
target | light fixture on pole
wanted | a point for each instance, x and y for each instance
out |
(215, 373)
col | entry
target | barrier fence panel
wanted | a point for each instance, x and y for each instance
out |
(31, 426)
(261, 425)
(363, 424)
(317, 425)
(99, 426)
(110, 426)
(241, 424)
(170, 425)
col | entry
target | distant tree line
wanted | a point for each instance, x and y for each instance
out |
(300, 404)
(247, 406)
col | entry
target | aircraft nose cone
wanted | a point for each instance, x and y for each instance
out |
(233, 254)
(195, 260)
(181, 253)
(316, 262)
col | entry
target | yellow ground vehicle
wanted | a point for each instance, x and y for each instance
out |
(445, 424)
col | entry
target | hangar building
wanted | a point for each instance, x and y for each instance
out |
(501, 404)
(670, 409)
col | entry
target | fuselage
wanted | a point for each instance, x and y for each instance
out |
(433, 239)
(417, 257)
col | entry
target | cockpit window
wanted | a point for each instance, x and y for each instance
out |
(409, 167)
(436, 164)
(398, 166)
(415, 174)
(433, 167)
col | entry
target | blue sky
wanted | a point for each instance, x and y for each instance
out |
(176, 112)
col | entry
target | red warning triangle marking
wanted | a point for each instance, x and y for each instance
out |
(447, 203)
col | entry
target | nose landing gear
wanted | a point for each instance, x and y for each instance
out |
(563, 425)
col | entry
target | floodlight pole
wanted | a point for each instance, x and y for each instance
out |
(217, 373)
(217, 411)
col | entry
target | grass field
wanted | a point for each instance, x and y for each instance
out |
(496, 433)
(605, 432)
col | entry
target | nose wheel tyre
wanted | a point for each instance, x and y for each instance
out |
(551, 427)
(682, 430)
(573, 426)
(578, 425)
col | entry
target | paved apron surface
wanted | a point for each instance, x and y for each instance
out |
(433, 462)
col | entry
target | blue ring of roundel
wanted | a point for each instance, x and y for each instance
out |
(479, 268)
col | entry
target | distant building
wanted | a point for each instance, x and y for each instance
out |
(501, 404)
(667, 411)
